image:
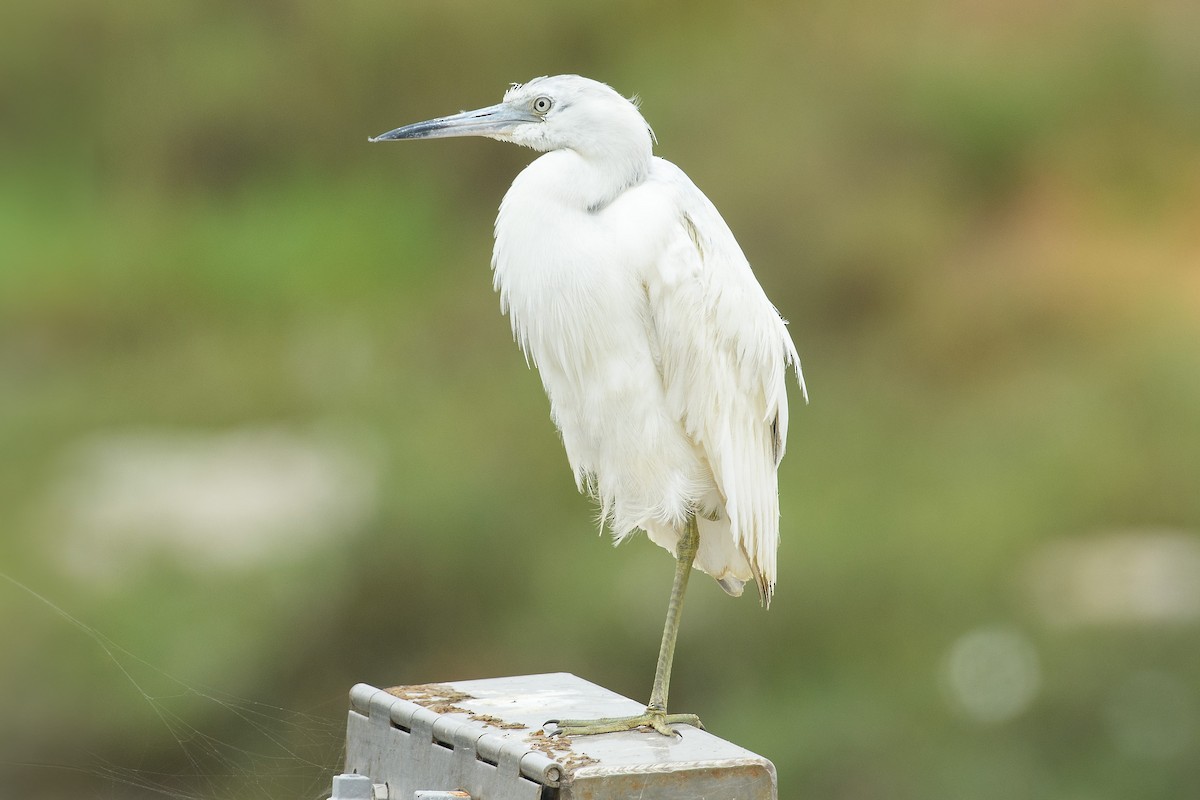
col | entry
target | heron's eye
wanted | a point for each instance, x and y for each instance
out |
(542, 104)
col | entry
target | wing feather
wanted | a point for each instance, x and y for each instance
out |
(725, 353)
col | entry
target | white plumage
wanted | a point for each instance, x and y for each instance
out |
(664, 361)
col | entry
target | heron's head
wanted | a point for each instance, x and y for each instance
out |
(549, 113)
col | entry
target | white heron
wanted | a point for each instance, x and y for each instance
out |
(664, 361)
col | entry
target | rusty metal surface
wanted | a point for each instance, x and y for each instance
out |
(486, 737)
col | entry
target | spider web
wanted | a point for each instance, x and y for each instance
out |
(279, 752)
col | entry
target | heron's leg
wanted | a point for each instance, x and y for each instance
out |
(685, 554)
(656, 715)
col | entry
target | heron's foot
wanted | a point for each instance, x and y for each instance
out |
(654, 718)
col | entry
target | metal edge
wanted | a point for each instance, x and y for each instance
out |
(367, 700)
(585, 772)
(360, 697)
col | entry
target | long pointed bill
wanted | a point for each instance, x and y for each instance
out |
(494, 121)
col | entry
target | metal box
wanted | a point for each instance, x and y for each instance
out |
(487, 738)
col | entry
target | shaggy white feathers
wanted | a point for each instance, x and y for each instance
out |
(664, 361)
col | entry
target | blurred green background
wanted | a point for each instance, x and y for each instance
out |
(264, 432)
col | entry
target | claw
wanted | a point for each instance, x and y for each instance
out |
(657, 723)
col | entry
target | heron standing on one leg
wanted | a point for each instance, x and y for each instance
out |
(664, 361)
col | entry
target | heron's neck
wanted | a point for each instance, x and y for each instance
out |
(606, 155)
(599, 175)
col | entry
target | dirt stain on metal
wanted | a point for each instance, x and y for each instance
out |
(559, 748)
(442, 699)
(496, 722)
(438, 698)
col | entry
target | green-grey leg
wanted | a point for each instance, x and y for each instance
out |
(656, 715)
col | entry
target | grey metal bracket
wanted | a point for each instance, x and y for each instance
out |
(357, 787)
(486, 738)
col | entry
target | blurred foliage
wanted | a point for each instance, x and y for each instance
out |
(980, 218)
